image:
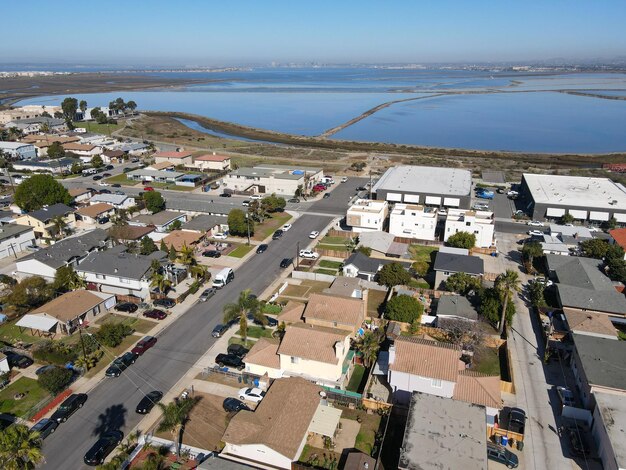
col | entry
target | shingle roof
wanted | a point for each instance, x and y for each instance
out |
(477, 388)
(160, 218)
(579, 272)
(602, 360)
(459, 263)
(456, 305)
(282, 419)
(211, 158)
(427, 358)
(172, 154)
(589, 322)
(64, 251)
(178, 238)
(78, 191)
(609, 301)
(130, 232)
(200, 206)
(70, 305)
(115, 263)
(364, 263)
(264, 353)
(50, 212)
(205, 222)
(347, 311)
(13, 230)
(315, 343)
(95, 209)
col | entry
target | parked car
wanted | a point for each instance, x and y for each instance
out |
(319, 187)
(43, 369)
(108, 167)
(230, 360)
(103, 183)
(219, 330)
(143, 345)
(45, 427)
(148, 188)
(269, 321)
(127, 307)
(314, 234)
(277, 234)
(309, 254)
(286, 262)
(251, 394)
(535, 223)
(69, 407)
(261, 248)
(542, 280)
(211, 254)
(232, 404)
(207, 294)
(344, 179)
(502, 455)
(566, 396)
(116, 185)
(361, 188)
(103, 447)
(577, 440)
(500, 190)
(593, 229)
(535, 233)
(155, 313)
(256, 196)
(512, 193)
(148, 401)
(121, 193)
(245, 203)
(120, 364)
(103, 220)
(517, 420)
(18, 360)
(479, 206)
(326, 195)
(165, 303)
(286, 227)
(225, 195)
(294, 200)
(237, 349)
(220, 236)
(106, 175)
(97, 177)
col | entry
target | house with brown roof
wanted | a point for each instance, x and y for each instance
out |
(177, 158)
(130, 233)
(275, 433)
(162, 166)
(346, 313)
(291, 313)
(212, 162)
(426, 366)
(618, 236)
(180, 238)
(91, 214)
(263, 358)
(85, 151)
(80, 195)
(589, 323)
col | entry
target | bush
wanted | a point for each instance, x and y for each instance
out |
(51, 353)
(55, 380)
(366, 250)
(112, 334)
(404, 308)
(272, 309)
(462, 240)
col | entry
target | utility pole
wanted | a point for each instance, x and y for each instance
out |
(297, 255)
(248, 227)
(370, 188)
(82, 342)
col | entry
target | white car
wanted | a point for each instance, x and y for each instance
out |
(314, 234)
(441, 211)
(543, 280)
(286, 227)
(256, 196)
(245, 203)
(344, 179)
(593, 229)
(535, 223)
(309, 254)
(251, 394)
(512, 193)
(535, 233)
(102, 183)
(220, 236)
(481, 207)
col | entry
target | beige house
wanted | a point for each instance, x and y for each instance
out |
(42, 220)
(90, 214)
(212, 162)
(344, 313)
(367, 216)
(80, 195)
(161, 166)
(177, 158)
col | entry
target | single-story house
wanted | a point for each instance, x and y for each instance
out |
(455, 307)
(14, 239)
(212, 162)
(57, 167)
(447, 264)
(113, 156)
(180, 238)
(178, 158)
(205, 223)
(85, 151)
(42, 220)
(80, 195)
(134, 148)
(160, 220)
(91, 214)
(158, 176)
(383, 243)
(130, 233)
(364, 267)
(161, 166)
(119, 201)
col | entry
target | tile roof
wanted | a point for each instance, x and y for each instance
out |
(479, 389)
(619, 235)
(211, 158)
(178, 238)
(292, 312)
(264, 353)
(589, 322)
(70, 305)
(427, 358)
(162, 165)
(316, 343)
(84, 147)
(602, 360)
(459, 263)
(282, 419)
(95, 210)
(348, 311)
(172, 154)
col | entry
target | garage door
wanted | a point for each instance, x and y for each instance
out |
(433, 200)
(555, 212)
(412, 198)
(451, 202)
(600, 216)
(394, 197)
(580, 215)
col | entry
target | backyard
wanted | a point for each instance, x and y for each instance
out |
(357, 377)
(375, 301)
(487, 361)
(33, 394)
(257, 332)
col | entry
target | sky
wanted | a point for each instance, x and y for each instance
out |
(251, 32)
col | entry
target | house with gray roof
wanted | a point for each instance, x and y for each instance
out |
(14, 239)
(447, 264)
(34, 125)
(267, 179)
(67, 252)
(42, 220)
(159, 220)
(455, 307)
(206, 223)
(194, 207)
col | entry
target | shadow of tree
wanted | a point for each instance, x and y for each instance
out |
(113, 418)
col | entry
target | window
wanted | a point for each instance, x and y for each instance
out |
(467, 224)
(295, 360)
(436, 383)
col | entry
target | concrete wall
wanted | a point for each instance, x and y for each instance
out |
(313, 276)
(32, 267)
(262, 370)
(603, 442)
(15, 245)
(258, 453)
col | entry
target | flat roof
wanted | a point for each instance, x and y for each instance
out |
(426, 179)
(576, 191)
(612, 408)
(156, 173)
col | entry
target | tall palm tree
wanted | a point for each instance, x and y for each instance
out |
(175, 416)
(245, 303)
(160, 281)
(186, 256)
(60, 226)
(20, 448)
(507, 284)
(369, 344)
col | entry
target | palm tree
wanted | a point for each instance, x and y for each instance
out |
(506, 284)
(369, 344)
(186, 256)
(160, 281)
(20, 448)
(245, 303)
(198, 271)
(60, 226)
(175, 416)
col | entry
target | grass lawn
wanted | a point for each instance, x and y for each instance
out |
(296, 291)
(315, 456)
(369, 426)
(112, 353)
(121, 179)
(334, 240)
(248, 343)
(138, 324)
(98, 128)
(375, 299)
(269, 226)
(326, 246)
(356, 379)
(486, 361)
(326, 263)
(170, 186)
(331, 272)
(34, 394)
(241, 251)
(10, 333)
(257, 332)
(316, 286)
(419, 284)
(423, 255)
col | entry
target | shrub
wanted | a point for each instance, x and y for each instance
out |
(51, 353)
(55, 380)
(112, 334)
(462, 240)
(404, 308)
(272, 309)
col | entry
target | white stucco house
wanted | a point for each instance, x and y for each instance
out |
(367, 215)
(413, 221)
(480, 223)
(14, 239)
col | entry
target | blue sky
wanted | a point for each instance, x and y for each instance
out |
(193, 32)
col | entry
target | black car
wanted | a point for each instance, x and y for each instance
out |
(116, 185)
(18, 360)
(3, 181)
(277, 234)
(147, 403)
(155, 313)
(127, 307)
(165, 303)
(43, 369)
(69, 407)
(97, 177)
(212, 254)
(237, 350)
(501, 454)
(219, 330)
(225, 195)
(294, 200)
(108, 167)
(272, 322)
(326, 195)
(517, 420)
(233, 404)
(120, 364)
(230, 360)
(286, 262)
(106, 175)
(105, 191)
(103, 220)
(103, 447)
(261, 248)
(45, 427)
(361, 188)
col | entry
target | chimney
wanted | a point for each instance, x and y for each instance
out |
(339, 349)
(115, 270)
(392, 354)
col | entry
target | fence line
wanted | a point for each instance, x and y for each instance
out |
(341, 233)
(312, 276)
(332, 253)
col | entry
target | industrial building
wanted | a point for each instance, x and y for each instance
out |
(587, 199)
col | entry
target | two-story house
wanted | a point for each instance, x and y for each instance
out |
(448, 262)
(479, 223)
(367, 215)
(42, 220)
(212, 162)
(14, 239)
(413, 221)
(331, 311)
(177, 158)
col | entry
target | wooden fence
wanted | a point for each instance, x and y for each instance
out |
(333, 253)
(341, 233)
(415, 241)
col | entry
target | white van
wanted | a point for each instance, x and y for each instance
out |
(223, 277)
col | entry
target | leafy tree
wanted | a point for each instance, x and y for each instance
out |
(55, 380)
(369, 344)
(66, 279)
(462, 240)
(532, 250)
(274, 203)
(366, 250)
(594, 248)
(112, 334)
(462, 283)
(60, 227)
(29, 293)
(160, 281)
(76, 168)
(20, 448)
(7, 280)
(69, 106)
(403, 308)
(617, 269)
(506, 284)
(58, 115)
(237, 224)
(176, 225)
(536, 294)
(96, 161)
(610, 224)
(147, 246)
(567, 219)
(82, 106)
(154, 201)
(95, 112)
(163, 247)
(174, 417)
(131, 105)
(172, 254)
(56, 150)
(102, 118)
(393, 274)
(40, 190)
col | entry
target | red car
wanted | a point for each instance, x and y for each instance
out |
(319, 187)
(143, 345)
(148, 188)
(155, 313)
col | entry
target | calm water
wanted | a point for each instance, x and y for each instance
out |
(309, 101)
